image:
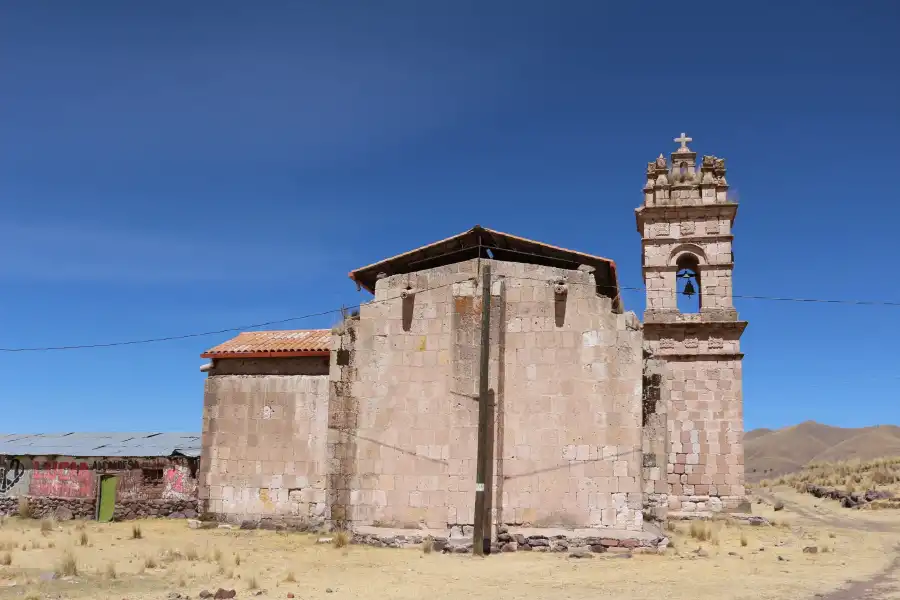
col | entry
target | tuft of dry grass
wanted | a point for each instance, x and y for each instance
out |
(136, 533)
(6, 559)
(290, 578)
(83, 538)
(743, 540)
(182, 582)
(67, 565)
(150, 563)
(25, 510)
(252, 584)
(191, 553)
(428, 545)
(700, 531)
(111, 570)
(237, 560)
(341, 539)
(216, 555)
(47, 526)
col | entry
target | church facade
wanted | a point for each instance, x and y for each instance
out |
(597, 420)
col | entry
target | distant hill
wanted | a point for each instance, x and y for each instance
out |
(769, 453)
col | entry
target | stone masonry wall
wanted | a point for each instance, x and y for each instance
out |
(264, 444)
(566, 378)
(706, 456)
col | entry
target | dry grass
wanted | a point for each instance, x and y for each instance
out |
(252, 584)
(237, 560)
(191, 553)
(851, 475)
(294, 563)
(6, 559)
(341, 539)
(111, 570)
(47, 526)
(67, 565)
(428, 545)
(136, 533)
(83, 538)
(25, 509)
(150, 563)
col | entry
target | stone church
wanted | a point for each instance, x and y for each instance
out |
(597, 421)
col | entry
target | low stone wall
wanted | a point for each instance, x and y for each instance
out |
(513, 541)
(848, 499)
(85, 508)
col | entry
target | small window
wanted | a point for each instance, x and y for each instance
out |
(152, 475)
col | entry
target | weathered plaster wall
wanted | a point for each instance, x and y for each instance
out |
(566, 376)
(264, 440)
(655, 444)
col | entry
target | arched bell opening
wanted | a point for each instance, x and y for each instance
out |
(687, 284)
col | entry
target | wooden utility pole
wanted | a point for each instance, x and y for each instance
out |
(484, 411)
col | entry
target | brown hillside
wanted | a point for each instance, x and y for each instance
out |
(769, 453)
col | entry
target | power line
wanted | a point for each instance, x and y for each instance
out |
(850, 302)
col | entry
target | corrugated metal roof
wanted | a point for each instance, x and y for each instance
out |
(295, 342)
(100, 444)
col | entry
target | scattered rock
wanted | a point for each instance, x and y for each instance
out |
(248, 524)
(49, 576)
(223, 594)
(732, 554)
(811, 550)
(509, 547)
(63, 513)
(701, 553)
(782, 559)
(328, 590)
(581, 553)
(779, 505)
(174, 596)
(193, 524)
(324, 540)
(205, 594)
(758, 521)
(290, 595)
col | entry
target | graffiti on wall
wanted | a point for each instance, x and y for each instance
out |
(11, 471)
(63, 479)
(179, 483)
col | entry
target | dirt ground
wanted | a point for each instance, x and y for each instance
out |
(856, 557)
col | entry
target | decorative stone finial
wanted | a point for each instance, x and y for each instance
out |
(683, 140)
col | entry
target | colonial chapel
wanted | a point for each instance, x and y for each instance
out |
(597, 420)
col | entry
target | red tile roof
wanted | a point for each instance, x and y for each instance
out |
(263, 344)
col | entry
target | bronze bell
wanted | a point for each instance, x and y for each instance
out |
(689, 289)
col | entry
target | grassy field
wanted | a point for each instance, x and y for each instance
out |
(851, 476)
(707, 560)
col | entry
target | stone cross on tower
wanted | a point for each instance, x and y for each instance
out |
(683, 140)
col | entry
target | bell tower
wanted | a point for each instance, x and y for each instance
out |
(690, 322)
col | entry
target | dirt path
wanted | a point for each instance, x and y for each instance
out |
(882, 586)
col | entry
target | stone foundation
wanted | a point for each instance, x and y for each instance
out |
(519, 540)
(85, 508)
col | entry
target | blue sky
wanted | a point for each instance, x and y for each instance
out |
(170, 167)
